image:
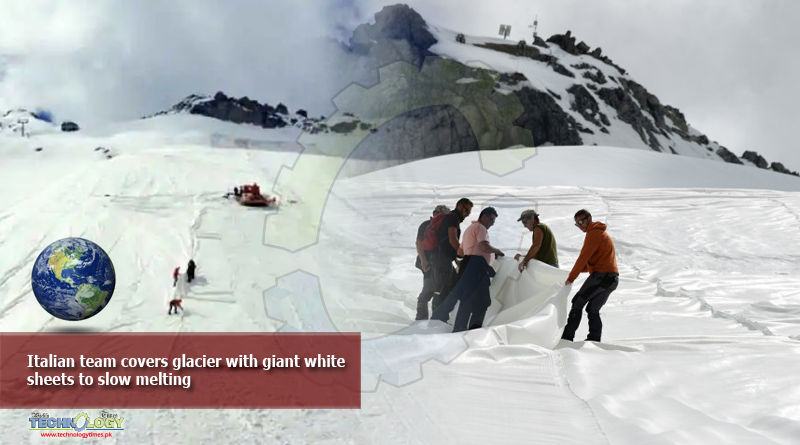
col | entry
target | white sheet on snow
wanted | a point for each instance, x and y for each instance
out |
(528, 308)
(698, 338)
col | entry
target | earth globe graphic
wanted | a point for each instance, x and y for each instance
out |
(73, 279)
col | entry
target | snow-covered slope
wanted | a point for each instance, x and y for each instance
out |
(13, 121)
(542, 77)
(700, 338)
(592, 166)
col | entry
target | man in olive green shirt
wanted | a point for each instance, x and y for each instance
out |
(544, 242)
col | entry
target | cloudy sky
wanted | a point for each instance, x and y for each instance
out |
(730, 66)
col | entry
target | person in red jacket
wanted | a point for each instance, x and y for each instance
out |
(597, 257)
(175, 274)
(175, 303)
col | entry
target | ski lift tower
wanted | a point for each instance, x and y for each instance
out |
(534, 26)
(22, 121)
(505, 30)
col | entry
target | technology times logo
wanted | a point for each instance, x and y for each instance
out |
(78, 426)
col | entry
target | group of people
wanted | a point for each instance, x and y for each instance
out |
(176, 302)
(468, 283)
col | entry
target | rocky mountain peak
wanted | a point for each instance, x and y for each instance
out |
(399, 33)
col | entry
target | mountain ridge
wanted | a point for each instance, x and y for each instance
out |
(595, 102)
(571, 94)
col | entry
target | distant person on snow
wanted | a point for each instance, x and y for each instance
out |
(597, 257)
(175, 274)
(423, 264)
(236, 192)
(176, 304)
(544, 242)
(190, 270)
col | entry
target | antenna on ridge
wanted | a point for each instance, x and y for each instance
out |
(534, 26)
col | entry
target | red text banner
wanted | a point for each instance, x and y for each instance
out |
(198, 370)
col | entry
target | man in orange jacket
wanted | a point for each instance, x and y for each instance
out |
(597, 257)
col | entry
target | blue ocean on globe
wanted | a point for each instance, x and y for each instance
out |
(73, 279)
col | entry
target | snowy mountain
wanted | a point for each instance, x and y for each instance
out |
(700, 338)
(570, 93)
(13, 122)
(247, 111)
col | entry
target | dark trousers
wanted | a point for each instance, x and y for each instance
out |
(444, 276)
(190, 275)
(472, 291)
(174, 305)
(592, 295)
(428, 286)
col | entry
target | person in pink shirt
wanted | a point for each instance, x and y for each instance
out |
(472, 289)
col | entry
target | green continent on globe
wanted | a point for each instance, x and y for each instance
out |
(66, 259)
(91, 297)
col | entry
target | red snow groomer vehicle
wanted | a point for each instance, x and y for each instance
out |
(250, 196)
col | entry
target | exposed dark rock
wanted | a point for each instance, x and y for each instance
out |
(629, 112)
(567, 43)
(728, 156)
(244, 111)
(587, 106)
(439, 130)
(560, 69)
(648, 102)
(596, 76)
(514, 50)
(399, 33)
(344, 127)
(755, 158)
(778, 167)
(512, 79)
(546, 120)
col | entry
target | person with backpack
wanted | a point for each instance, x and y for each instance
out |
(423, 264)
(190, 270)
(544, 247)
(441, 238)
(598, 257)
(472, 289)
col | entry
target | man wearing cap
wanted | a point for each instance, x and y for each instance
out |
(544, 247)
(423, 264)
(597, 257)
(472, 289)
